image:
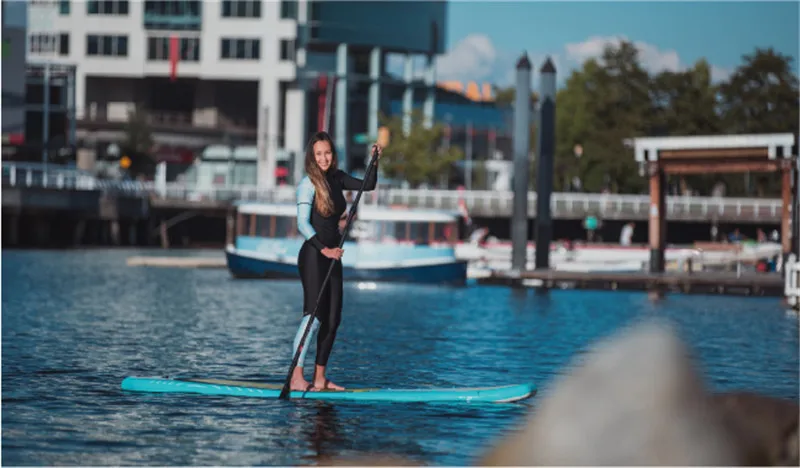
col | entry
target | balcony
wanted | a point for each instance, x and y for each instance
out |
(181, 16)
(114, 116)
(173, 22)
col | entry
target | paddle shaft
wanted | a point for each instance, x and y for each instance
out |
(285, 391)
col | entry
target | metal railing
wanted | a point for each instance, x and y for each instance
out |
(36, 175)
(478, 203)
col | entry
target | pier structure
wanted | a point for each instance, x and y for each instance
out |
(173, 213)
(662, 156)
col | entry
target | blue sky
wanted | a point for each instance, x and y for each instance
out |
(485, 38)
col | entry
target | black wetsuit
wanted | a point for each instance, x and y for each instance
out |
(320, 232)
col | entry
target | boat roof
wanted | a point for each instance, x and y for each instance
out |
(365, 212)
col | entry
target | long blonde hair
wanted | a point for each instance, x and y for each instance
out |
(322, 197)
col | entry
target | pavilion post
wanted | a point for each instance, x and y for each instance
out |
(657, 218)
(786, 209)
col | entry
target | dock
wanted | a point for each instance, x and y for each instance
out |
(722, 283)
(177, 262)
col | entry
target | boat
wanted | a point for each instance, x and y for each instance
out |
(244, 388)
(384, 244)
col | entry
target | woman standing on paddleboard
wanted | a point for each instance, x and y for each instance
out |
(320, 205)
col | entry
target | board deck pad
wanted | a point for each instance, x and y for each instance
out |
(497, 394)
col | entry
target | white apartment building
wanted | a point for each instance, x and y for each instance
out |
(247, 68)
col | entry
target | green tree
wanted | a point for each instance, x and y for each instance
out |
(761, 96)
(418, 157)
(685, 103)
(609, 100)
(573, 124)
(138, 144)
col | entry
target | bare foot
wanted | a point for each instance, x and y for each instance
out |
(300, 385)
(326, 385)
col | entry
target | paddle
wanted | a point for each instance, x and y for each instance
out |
(285, 391)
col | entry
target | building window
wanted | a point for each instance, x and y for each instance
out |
(184, 15)
(158, 48)
(49, 44)
(63, 44)
(241, 8)
(107, 46)
(241, 49)
(287, 49)
(42, 44)
(107, 7)
(63, 7)
(173, 8)
(289, 9)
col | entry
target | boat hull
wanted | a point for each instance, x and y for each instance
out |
(448, 272)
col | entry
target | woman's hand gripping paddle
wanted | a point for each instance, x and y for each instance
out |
(285, 391)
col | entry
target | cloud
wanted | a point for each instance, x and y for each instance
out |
(652, 58)
(473, 58)
(476, 58)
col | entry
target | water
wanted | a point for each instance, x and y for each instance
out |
(75, 323)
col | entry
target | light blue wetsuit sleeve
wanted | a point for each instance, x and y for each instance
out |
(305, 204)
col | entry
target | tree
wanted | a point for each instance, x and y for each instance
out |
(138, 144)
(418, 157)
(761, 96)
(613, 98)
(573, 122)
(603, 104)
(684, 103)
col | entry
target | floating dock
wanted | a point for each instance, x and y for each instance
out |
(177, 262)
(764, 284)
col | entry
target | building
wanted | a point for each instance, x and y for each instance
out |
(479, 125)
(13, 56)
(237, 76)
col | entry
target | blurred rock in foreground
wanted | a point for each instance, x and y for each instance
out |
(636, 399)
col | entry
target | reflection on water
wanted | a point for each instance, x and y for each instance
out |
(75, 323)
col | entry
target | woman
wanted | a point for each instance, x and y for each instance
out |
(320, 204)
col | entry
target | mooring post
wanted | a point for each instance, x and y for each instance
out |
(546, 149)
(522, 132)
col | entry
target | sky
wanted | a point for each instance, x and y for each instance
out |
(486, 38)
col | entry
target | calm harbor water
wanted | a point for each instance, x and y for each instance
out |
(74, 323)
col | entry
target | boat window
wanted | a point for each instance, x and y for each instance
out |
(402, 231)
(442, 232)
(243, 224)
(262, 226)
(283, 226)
(419, 233)
(382, 231)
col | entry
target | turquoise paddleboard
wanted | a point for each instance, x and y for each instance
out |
(501, 394)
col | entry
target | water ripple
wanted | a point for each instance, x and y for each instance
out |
(75, 323)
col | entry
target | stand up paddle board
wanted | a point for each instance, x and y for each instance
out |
(501, 394)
